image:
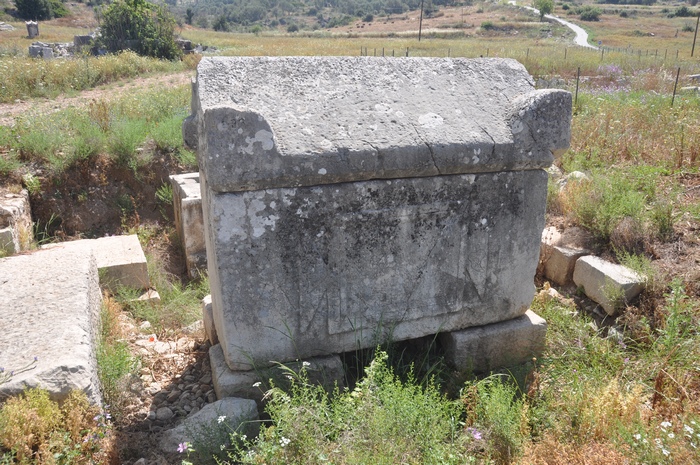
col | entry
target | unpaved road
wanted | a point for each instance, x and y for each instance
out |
(42, 106)
(581, 35)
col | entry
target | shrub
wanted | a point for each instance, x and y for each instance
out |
(34, 429)
(683, 12)
(221, 24)
(487, 25)
(368, 18)
(590, 13)
(138, 25)
(40, 10)
(292, 28)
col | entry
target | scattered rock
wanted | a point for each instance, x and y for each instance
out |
(164, 414)
(212, 423)
(609, 284)
(151, 295)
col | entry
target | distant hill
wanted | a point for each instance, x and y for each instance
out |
(294, 14)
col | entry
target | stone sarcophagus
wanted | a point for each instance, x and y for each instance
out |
(350, 200)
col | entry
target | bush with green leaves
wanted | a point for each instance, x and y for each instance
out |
(141, 26)
(544, 6)
(590, 13)
(40, 10)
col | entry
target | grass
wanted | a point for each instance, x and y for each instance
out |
(128, 130)
(180, 303)
(30, 78)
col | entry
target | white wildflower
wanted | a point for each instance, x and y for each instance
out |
(688, 429)
(257, 384)
(665, 452)
(284, 441)
(671, 435)
(637, 436)
(306, 364)
(221, 419)
(665, 424)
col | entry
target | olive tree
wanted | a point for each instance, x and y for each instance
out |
(141, 26)
(545, 7)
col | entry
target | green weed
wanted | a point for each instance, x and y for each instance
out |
(126, 136)
(115, 364)
(383, 420)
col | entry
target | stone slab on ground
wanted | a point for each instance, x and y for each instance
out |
(497, 345)
(120, 259)
(609, 284)
(204, 427)
(51, 302)
(15, 223)
(325, 371)
(189, 222)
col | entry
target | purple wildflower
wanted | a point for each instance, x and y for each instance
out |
(182, 447)
(476, 434)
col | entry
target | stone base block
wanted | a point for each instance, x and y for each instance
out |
(485, 348)
(326, 371)
(208, 319)
(609, 284)
(50, 302)
(559, 252)
(189, 221)
(7, 242)
(15, 223)
(560, 262)
(120, 259)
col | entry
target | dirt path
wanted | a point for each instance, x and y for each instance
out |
(42, 106)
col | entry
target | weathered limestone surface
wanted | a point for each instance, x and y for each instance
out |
(326, 269)
(558, 255)
(120, 259)
(252, 384)
(208, 320)
(15, 223)
(204, 427)
(496, 345)
(348, 199)
(297, 121)
(50, 302)
(189, 222)
(609, 284)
